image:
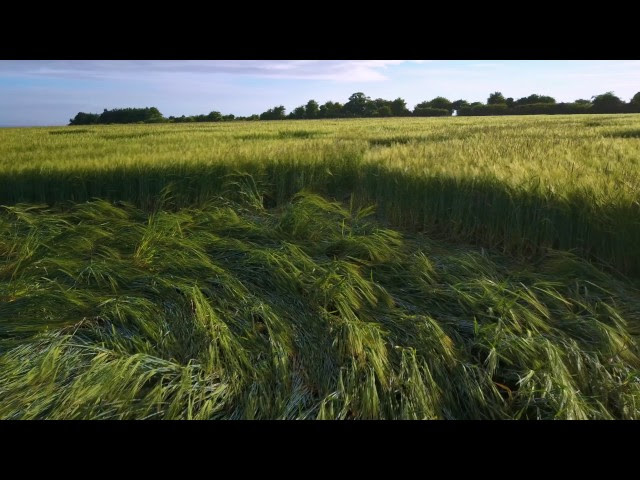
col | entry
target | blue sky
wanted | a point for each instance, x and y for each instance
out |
(51, 92)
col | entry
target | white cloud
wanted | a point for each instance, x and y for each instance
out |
(486, 65)
(333, 70)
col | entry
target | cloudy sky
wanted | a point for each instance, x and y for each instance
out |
(52, 92)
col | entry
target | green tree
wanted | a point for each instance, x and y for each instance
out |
(438, 103)
(372, 107)
(82, 118)
(357, 105)
(312, 109)
(384, 111)
(275, 113)
(331, 110)
(399, 108)
(458, 104)
(131, 115)
(535, 99)
(441, 103)
(496, 98)
(214, 117)
(298, 112)
(607, 102)
(635, 101)
(153, 113)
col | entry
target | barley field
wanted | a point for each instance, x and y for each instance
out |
(416, 268)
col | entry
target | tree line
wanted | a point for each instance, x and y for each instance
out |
(361, 106)
(148, 115)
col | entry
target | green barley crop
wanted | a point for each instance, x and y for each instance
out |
(518, 183)
(448, 268)
(308, 311)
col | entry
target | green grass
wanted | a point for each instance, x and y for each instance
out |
(458, 268)
(311, 310)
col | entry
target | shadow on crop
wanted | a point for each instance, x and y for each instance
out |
(633, 133)
(126, 136)
(281, 135)
(68, 132)
(486, 212)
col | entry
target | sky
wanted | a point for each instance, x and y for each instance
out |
(46, 92)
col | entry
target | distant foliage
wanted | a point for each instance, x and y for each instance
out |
(527, 109)
(535, 99)
(214, 117)
(384, 111)
(399, 108)
(634, 104)
(275, 113)
(312, 109)
(331, 110)
(607, 103)
(439, 103)
(496, 98)
(458, 104)
(85, 119)
(356, 106)
(131, 115)
(298, 113)
(431, 112)
(211, 117)
(360, 105)
(483, 110)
